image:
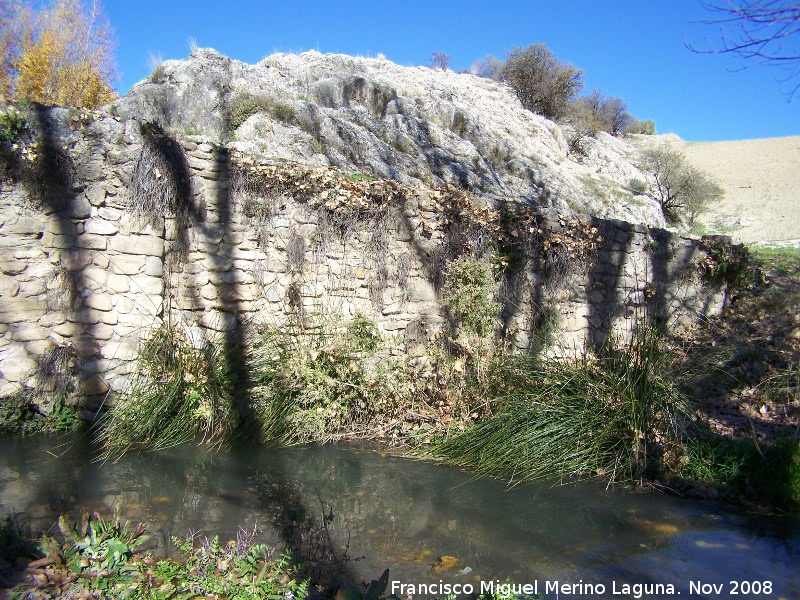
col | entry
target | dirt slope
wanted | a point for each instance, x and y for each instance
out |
(761, 179)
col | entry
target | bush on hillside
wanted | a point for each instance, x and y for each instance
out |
(646, 127)
(487, 67)
(682, 190)
(607, 113)
(440, 61)
(544, 84)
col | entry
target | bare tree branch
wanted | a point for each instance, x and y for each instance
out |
(761, 32)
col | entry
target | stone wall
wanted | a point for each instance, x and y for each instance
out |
(81, 269)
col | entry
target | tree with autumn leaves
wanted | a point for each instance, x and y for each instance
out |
(62, 55)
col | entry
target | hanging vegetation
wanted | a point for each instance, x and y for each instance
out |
(161, 183)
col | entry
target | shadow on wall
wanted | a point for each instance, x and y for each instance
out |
(47, 177)
(606, 282)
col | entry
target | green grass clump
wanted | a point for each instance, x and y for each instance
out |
(16, 540)
(12, 124)
(611, 415)
(243, 106)
(782, 261)
(637, 187)
(356, 177)
(176, 392)
(283, 112)
(769, 472)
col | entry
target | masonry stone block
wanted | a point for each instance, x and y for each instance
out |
(119, 284)
(101, 302)
(69, 329)
(16, 310)
(85, 345)
(140, 245)
(91, 241)
(79, 208)
(217, 263)
(239, 292)
(28, 332)
(63, 241)
(76, 259)
(96, 194)
(94, 386)
(101, 331)
(23, 226)
(124, 349)
(143, 284)
(101, 227)
(12, 267)
(153, 266)
(17, 368)
(238, 253)
(95, 275)
(8, 287)
(59, 225)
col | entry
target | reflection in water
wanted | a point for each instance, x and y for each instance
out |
(425, 522)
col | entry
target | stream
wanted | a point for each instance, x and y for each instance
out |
(430, 524)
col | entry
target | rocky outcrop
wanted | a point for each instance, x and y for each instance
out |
(412, 124)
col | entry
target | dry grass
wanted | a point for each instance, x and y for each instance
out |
(744, 366)
(161, 184)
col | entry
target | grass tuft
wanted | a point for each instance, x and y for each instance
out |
(742, 468)
(176, 393)
(611, 415)
(245, 105)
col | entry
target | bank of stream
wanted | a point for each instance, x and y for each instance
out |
(425, 522)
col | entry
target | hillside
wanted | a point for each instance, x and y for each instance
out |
(761, 179)
(412, 124)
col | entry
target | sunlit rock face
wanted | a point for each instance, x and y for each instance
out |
(413, 124)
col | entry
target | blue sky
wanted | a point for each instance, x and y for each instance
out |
(630, 49)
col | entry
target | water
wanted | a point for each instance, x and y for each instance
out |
(408, 515)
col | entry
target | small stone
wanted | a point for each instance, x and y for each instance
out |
(13, 267)
(79, 208)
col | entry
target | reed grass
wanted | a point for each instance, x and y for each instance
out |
(176, 393)
(607, 415)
